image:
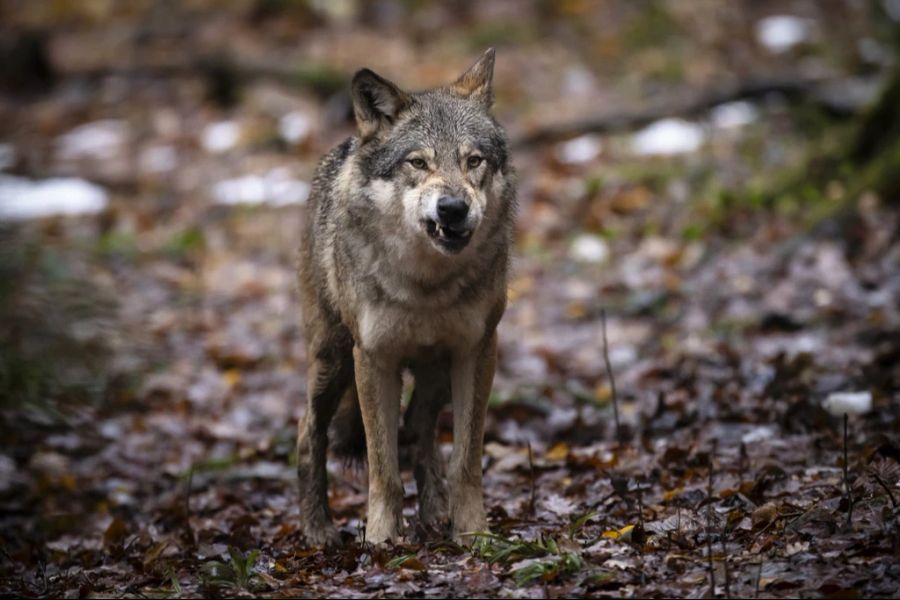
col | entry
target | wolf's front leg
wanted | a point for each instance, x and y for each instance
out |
(471, 377)
(378, 385)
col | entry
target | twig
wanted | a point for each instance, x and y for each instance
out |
(849, 492)
(725, 560)
(188, 528)
(709, 556)
(709, 551)
(187, 494)
(612, 378)
(532, 501)
(742, 461)
(758, 577)
(641, 507)
(884, 485)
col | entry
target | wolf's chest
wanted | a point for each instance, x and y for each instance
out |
(402, 332)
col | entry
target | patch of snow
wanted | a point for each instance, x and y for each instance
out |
(851, 403)
(100, 140)
(733, 114)
(758, 434)
(276, 188)
(589, 248)
(582, 149)
(623, 355)
(294, 127)
(779, 33)
(23, 199)
(667, 136)
(221, 137)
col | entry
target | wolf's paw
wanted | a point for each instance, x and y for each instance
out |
(384, 530)
(323, 535)
(435, 528)
(470, 536)
(466, 525)
(433, 506)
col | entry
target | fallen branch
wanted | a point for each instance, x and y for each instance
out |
(831, 94)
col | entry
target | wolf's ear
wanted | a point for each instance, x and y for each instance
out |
(376, 102)
(477, 83)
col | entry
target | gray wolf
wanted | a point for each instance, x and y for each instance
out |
(403, 265)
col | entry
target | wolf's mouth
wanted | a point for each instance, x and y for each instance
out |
(452, 239)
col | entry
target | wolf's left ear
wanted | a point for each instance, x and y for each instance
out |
(376, 102)
(477, 83)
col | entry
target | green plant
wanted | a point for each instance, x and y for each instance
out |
(550, 569)
(549, 561)
(236, 573)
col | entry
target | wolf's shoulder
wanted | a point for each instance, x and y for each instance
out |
(330, 164)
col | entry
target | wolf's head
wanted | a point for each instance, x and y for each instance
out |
(435, 162)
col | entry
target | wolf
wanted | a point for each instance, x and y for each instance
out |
(403, 266)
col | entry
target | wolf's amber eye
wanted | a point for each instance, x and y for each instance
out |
(473, 162)
(418, 163)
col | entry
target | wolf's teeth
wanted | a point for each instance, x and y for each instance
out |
(465, 234)
(440, 231)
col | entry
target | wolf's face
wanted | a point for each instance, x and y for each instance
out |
(436, 161)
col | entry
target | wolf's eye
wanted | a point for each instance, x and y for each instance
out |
(418, 163)
(473, 162)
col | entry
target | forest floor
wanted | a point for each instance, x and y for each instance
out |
(149, 429)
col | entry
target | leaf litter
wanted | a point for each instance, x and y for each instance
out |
(175, 478)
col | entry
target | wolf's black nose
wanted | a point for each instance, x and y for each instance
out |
(451, 210)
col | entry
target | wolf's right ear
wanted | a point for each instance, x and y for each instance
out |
(477, 83)
(376, 102)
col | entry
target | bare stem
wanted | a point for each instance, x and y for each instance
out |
(847, 489)
(612, 378)
(641, 507)
(758, 577)
(709, 528)
(725, 561)
(532, 501)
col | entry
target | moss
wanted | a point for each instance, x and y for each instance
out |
(116, 244)
(186, 244)
(651, 26)
(53, 349)
(486, 35)
(322, 79)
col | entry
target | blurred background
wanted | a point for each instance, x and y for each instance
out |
(722, 177)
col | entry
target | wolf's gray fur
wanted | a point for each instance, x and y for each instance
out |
(403, 265)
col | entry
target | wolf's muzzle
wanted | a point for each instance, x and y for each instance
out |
(451, 231)
(452, 212)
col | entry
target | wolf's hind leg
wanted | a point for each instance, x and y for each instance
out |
(432, 393)
(328, 377)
